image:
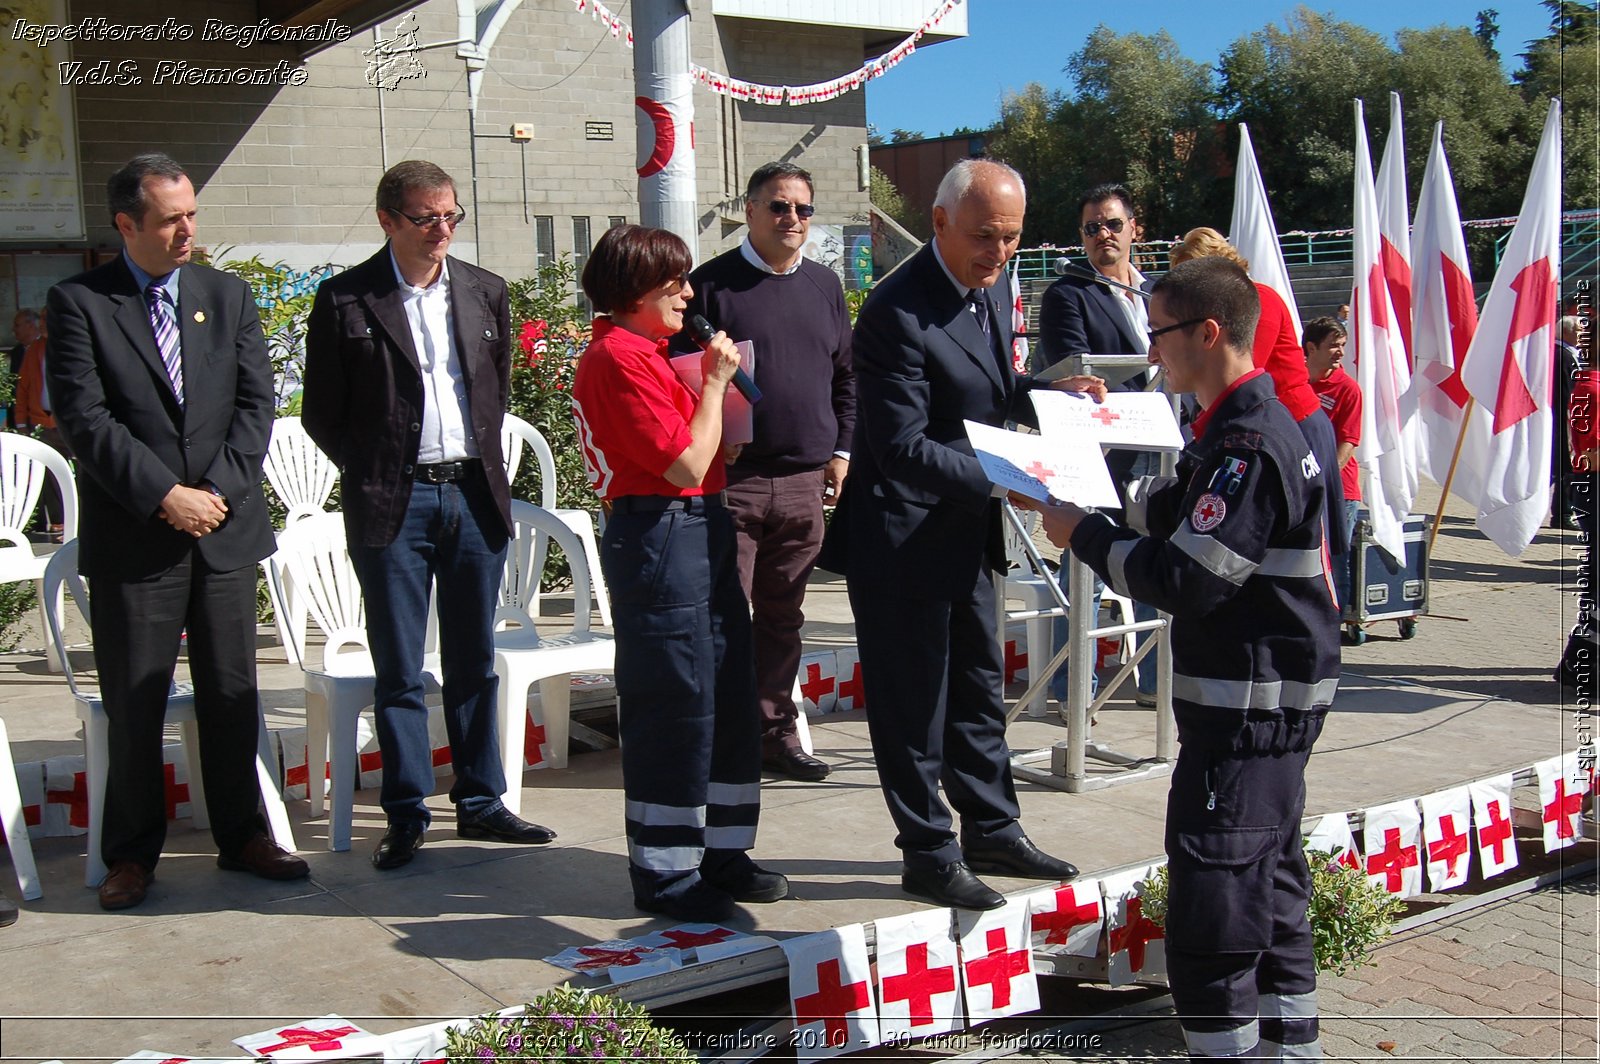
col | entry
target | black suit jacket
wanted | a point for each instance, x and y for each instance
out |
(363, 395)
(114, 404)
(1079, 316)
(918, 517)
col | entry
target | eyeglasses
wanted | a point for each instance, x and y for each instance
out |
(782, 207)
(1113, 224)
(1154, 333)
(428, 221)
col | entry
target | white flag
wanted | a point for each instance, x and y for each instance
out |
(830, 993)
(1394, 223)
(1509, 368)
(1491, 820)
(1562, 786)
(1392, 835)
(919, 982)
(997, 962)
(1447, 837)
(1444, 317)
(1387, 451)
(1252, 232)
(1019, 322)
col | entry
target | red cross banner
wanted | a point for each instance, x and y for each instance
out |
(818, 681)
(850, 694)
(175, 780)
(1332, 836)
(326, 1036)
(919, 984)
(1447, 837)
(1393, 837)
(830, 993)
(1252, 230)
(154, 1056)
(1394, 224)
(1067, 919)
(1491, 824)
(423, 1045)
(599, 958)
(1510, 367)
(66, 794)
(997, 962)
(1561, 791)
(1135, 945)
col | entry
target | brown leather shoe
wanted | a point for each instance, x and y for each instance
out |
(265, 858)
(125, 885)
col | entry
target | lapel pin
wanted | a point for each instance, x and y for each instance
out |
(200, 317)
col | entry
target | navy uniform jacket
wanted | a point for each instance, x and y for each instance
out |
(1235, 554)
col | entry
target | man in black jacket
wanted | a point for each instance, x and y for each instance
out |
(407, 368)
(1233, 550)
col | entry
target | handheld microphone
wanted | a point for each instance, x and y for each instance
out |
(1064, 266)
(701, 332)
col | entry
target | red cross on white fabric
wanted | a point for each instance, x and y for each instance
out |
(919, 984)
(1039, 471)
(1105, 415)
(1564, 809)
(1534, 309)
(1450, 847)
(174, 792)
(815, 684)
(690, 939)
(1135, 934)
(600, 957)
(1462, 310)
(831, 1002)
(323, 1041)
(998, 967)
(533, 740)
(1495, 833)
(853, 689)
(1208, 511)
(1392, 861)
(76, 800)
(1067, 915)
(1015, 660)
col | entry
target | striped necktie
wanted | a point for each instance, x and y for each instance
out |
(164, 321)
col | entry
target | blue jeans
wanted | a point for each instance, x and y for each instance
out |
(452, 536)
(1344, 566)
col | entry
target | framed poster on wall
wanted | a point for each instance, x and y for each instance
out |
(41, 197)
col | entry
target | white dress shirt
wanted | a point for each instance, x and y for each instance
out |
(446, 426)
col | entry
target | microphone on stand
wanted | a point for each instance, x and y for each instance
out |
(1064, 266)
(701, 332)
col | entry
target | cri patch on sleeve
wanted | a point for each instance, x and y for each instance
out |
(1209, 510)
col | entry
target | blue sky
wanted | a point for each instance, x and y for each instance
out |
(1012, 42)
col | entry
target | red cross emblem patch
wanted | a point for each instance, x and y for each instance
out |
(1209, 510)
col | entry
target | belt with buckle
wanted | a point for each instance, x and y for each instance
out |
(655, 504)
(446, 472)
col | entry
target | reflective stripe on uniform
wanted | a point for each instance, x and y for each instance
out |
(1289, 1027)
(1234, 1043)
(733, 793)
(653, 815)
(665, 858)
(1289, 1006)
(1251, 694)
(1273, 1051)
(738, 837)
(1213, 555)
(1281, 561)
(1116, 562)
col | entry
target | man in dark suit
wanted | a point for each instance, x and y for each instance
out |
(407, 369)
(918, 537)
(161, 385)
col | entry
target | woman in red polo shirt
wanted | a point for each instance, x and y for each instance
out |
(691, 743)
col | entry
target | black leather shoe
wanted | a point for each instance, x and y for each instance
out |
(952, 884)
(701, 903)
(502, 825)
(796, 765)
(399, 843)
(1021, 858)
(746, 881)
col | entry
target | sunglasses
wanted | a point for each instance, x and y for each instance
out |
(782, 207)
(1112, 224)
(428, 221)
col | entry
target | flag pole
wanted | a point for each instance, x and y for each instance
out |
(1444, 496)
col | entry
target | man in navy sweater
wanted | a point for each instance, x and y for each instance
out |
(793, 313)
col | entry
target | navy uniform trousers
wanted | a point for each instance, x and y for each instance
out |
(1239, 945)
(691, 738)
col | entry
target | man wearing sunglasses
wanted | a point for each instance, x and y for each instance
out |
(793, 313)
(407, 368)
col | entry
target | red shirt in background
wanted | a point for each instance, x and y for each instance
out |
(1341, 398)
(633, 416)
(1277, 350)
(1582, 412)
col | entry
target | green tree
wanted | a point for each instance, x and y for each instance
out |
(1563, 64)
(1031, 137)
(888, 200)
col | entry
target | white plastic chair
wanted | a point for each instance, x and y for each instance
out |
(16, 828)
(62, 576)
(524, 656)
(24, 463)
(302, 477)
(516, 435)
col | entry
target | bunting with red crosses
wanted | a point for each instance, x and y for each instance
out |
(818, 683)
(1067, 919)
(919, 982)
(326, 1036)
(997, 961)
(1332, 836)
(830, 993)
(1447, 837)
(1135, 945)
(1393, 847)
(851, 693)
(1562, 788)
(1491, 824)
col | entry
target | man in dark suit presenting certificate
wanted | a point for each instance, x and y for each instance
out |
(918, 537)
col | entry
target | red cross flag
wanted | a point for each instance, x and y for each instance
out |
(1332, 836)
(1252, 230)
(1394, 224)
(1491, 820)
(818, 683)
(1510, 366)
(997, 963)
(1393, 835)
(1067, 919)
(1135, 944)
(1444, 318)
(1561, 790)
(327, 1036)
(1447, 837)
(851, 695)
(1387, 451)
(830, 993)
(919, 984)
(1019, 322)
(152, 1056)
